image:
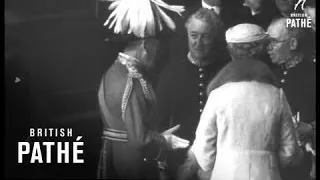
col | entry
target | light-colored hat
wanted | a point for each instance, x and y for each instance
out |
(243, 33)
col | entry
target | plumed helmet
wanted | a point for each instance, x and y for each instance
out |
(142, 18)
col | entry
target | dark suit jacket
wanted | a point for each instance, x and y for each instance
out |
(180, 98)
(299, 86)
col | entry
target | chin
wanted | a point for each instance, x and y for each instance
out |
(197, 55)
(275, 61)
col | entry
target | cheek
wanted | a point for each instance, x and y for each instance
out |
(276, 49)
(191, 41)
(269, 47)
(283, 51)
(207, 43)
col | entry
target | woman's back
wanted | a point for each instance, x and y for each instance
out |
(245, 121)
(247, 116)
(248, 126)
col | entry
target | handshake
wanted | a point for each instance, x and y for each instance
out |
(174, 142)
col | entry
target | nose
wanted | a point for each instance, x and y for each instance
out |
(269, 47)
(197, 41)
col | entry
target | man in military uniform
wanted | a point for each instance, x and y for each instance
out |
(131, 145)
(296, 72)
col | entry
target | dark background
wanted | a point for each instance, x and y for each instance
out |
(57, 50)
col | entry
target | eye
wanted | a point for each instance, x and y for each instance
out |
(193, 36)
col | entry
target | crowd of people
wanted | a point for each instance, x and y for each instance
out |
(236, 101)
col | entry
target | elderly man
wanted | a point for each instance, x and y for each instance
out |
(180, 39)
(127, 103)
(296, 73)
(181, 86)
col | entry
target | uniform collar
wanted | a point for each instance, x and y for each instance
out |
(130, 63)
(197, 63)
(292, 62)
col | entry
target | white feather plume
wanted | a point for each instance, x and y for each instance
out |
(140, 17)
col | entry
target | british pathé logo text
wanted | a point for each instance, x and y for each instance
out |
(42, 152)
(299, 20)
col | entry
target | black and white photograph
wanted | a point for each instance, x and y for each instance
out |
(160, 89)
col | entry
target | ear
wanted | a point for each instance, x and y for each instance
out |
(293, 42)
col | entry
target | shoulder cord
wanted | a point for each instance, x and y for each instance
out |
(130, 62)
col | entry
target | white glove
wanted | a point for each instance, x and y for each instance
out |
(309, 148)
(174, 142)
